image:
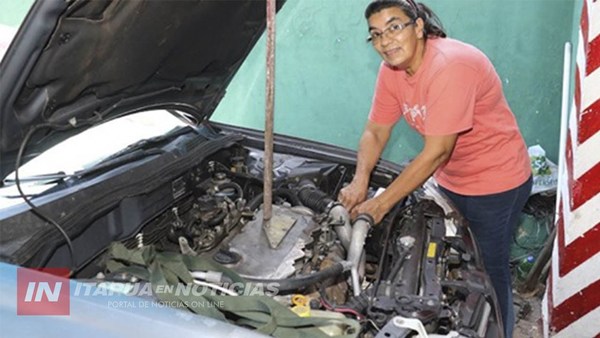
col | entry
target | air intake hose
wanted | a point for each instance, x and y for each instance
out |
(313, 198)
(360, 230)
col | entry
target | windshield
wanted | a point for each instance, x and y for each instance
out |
(85, 150)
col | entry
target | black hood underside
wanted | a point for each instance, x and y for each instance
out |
(102, 58)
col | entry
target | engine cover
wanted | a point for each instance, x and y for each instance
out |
(258, 258)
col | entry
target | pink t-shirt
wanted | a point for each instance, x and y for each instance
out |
(456, 90)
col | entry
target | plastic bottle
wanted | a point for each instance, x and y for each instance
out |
(524, 266)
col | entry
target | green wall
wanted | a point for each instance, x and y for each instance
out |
(12, 12)
(325, 71)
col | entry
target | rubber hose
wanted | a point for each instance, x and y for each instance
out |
(217, 219)
(233, 185)
(314, 199)
(287, 194)
(302, 281)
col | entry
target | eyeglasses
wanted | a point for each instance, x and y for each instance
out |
(390, 32)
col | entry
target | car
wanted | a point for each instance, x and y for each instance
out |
(181, 205)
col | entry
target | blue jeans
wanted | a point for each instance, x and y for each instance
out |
(492, 219)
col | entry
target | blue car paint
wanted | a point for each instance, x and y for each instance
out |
(93, 313)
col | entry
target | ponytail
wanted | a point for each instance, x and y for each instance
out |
(433, 25)
(414, 10)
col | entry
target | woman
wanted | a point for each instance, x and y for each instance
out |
(449, 92)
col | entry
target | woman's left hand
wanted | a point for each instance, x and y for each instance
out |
(373, 207)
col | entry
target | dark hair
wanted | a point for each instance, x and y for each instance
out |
(414, 10)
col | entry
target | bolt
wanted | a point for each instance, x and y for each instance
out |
(64, 38)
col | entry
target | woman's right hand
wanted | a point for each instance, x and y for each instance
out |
(352, 195)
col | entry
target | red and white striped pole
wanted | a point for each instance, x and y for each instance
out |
(572, 302)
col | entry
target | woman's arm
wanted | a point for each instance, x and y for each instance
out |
(372, 142)
(436, 151)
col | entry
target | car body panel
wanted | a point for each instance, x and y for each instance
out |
(99, 313)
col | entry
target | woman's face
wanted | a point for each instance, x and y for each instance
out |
(397, 38)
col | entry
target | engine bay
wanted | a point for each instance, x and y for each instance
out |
(416, 272)
(419, 263)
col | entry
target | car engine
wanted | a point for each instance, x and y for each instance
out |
(420, 263)
(417, 271)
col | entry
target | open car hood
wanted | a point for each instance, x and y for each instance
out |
(76, 63)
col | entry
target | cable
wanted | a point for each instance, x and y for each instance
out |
(34, 209)
(330, 307)
(216, 287)
(340, 182)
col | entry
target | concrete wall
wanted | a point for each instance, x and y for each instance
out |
(12, 12)
(325, 70)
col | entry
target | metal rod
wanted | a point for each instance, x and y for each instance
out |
(564, 123)
(533, 277)
(532, 280)
(270, 105)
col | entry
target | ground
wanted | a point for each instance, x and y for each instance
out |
(529, 316)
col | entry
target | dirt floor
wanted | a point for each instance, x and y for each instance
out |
(528, 316)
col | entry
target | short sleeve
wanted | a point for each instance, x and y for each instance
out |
(385, 108)
(450, 100)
